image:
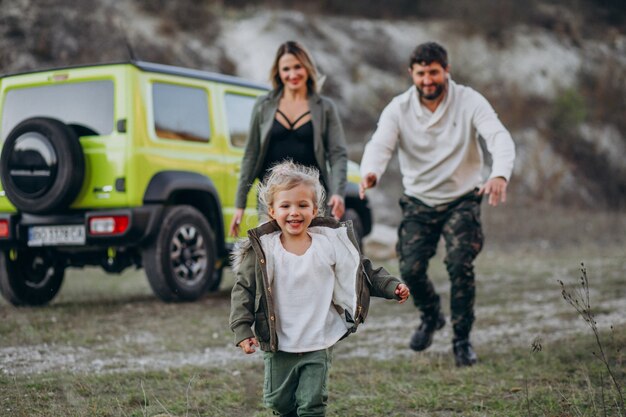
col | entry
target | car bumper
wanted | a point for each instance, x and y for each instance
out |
(143, 223)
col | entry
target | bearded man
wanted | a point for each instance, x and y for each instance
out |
(435, 125)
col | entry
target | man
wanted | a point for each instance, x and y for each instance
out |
(435, 124)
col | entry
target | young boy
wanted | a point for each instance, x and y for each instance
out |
(303, 285)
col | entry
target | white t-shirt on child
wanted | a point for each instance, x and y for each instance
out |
(303, 292)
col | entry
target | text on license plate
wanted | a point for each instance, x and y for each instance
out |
(56, 235)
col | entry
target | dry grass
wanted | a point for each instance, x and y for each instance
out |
(107, 347)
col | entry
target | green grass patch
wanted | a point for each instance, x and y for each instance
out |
(97, 349)
(562, 379)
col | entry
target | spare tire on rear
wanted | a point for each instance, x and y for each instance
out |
(42, 165)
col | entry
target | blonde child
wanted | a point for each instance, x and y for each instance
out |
(301, 286)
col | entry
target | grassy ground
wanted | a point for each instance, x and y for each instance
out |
(561, 380)
(107, 347)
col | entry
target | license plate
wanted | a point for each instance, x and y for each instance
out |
(56, 235)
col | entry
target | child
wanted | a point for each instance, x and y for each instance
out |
(303, 284)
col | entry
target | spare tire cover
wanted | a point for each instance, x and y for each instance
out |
(42, 165)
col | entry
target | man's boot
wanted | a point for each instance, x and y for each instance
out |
(423, 336)
(464, 355)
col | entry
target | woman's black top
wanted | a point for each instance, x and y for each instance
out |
(289, 143)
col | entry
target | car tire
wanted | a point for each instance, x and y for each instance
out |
(30, 277)
(180, 261)
(357, 224)
(217, 280)
(42, 165)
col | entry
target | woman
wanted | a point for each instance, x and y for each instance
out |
(294, 122)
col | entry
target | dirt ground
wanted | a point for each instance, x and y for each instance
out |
(101, 323)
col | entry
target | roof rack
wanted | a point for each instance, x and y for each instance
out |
(162, 69)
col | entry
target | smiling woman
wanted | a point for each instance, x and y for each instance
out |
(294, 122)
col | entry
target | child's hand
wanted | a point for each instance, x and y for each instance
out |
(247, 345)
(403, 292)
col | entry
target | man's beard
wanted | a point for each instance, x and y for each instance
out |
(432, 96)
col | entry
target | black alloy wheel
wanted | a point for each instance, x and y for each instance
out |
(180, 262)
(217, 279)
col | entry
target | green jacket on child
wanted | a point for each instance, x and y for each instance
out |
(252, 311)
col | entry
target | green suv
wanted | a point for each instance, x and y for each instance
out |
(119, 165)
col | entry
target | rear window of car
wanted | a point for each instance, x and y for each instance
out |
(85, 106)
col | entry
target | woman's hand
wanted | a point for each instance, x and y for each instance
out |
(235, 222)
(337, 206)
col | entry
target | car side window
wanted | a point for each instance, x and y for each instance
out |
(238, 112)
(181, 112)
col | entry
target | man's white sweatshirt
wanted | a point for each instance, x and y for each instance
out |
(439, 153)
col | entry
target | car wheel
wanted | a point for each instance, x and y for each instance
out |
(180, 262)
(30, 277)
(217, 279)
(42, 165)
(357, 224)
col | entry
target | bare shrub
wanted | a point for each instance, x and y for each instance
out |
(578, 298)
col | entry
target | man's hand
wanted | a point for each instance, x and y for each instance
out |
(337, 206)
(496, 189)
(247, 345)
(368, 181)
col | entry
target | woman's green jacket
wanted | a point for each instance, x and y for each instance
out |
(329, 143)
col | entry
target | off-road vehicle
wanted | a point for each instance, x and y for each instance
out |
(119, 165)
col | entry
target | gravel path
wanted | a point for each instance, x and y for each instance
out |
(382, 337)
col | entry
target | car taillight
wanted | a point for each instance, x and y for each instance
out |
(108, 225)
(4, 228)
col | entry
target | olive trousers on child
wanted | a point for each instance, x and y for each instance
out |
(297, 382)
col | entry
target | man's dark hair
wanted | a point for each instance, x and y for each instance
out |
(429, 52)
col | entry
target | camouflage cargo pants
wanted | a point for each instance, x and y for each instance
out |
(418, 235)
